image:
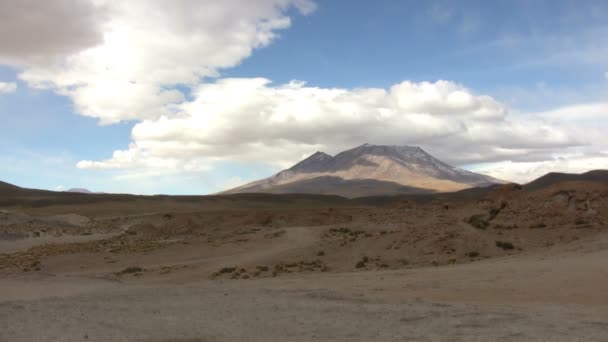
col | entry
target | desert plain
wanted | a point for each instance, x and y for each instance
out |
(502, 263)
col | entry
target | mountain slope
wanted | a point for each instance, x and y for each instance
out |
(80, 190)
(558, 177)
(7, 186)
(7, 189)
(369, 170)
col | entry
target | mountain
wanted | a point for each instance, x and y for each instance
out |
(8, 189)
(8, 186)
(80, 190)
(558, 177)
(369, 170)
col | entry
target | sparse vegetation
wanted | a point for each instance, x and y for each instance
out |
(346, 235)
(505, 245)
(266, 221)
(301, 266)
(538, 225)
(346, 231)
(224, 270)
(495, 211)
(267, 271)
(473, 254)
(262, 268)
(501, 226)
(362, 263)
(580, 221)
(275, 234)
(130, 270)
(478, 221)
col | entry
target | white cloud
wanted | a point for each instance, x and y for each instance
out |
(588, 121)
(7, 87)
(33, 31)
(523, 172)
(146, 49)
(250, 119)
(580, 112)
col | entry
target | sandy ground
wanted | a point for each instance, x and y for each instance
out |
(22, 244)
(558, 295)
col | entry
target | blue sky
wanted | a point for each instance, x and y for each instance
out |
(177, 92)
(485, 45)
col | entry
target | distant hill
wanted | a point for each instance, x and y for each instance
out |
(364, 190)
(557, 177)
(80, 190)
(9, 190)
(8, 186)
(369, 170)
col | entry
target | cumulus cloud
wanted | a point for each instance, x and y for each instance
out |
(33, 31)
(523, 172)
(7, 87)
(586, 121)
(250, 119)
(126, 60)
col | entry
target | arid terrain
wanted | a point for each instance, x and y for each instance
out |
(506, 263)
